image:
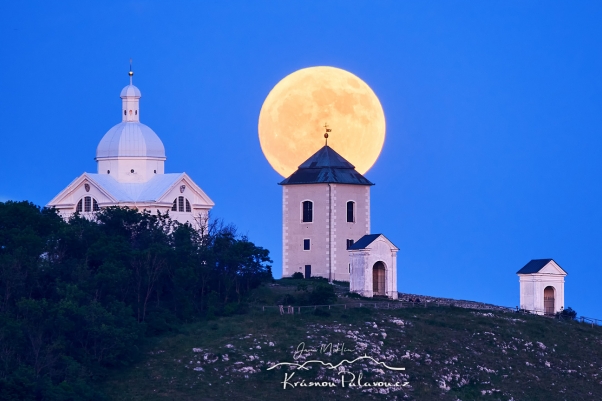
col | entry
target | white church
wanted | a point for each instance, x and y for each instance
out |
(326, 227)
(131, 173)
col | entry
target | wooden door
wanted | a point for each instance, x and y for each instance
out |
(548, 301)
(378, 279)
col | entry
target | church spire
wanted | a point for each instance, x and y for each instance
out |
(131, 73)
(130, 101)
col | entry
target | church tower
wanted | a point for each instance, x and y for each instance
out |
(325, 209)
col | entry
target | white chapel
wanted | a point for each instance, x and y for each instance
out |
(131, 173)
(542, 286)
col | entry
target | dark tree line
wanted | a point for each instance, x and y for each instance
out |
(79, 297)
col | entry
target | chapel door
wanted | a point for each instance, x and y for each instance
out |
(307, 271)
(378, 278)
(548, 300)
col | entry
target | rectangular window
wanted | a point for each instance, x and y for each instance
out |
(350, 243)
(87, 204)
(306, 244)
(349, 268)
(307, 212)
(350, 212)
(180, 204)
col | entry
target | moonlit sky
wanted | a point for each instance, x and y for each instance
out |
(493, 154)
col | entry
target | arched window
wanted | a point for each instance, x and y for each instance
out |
(308, 212)
(178, 205)
(87, 204)
(350, 212)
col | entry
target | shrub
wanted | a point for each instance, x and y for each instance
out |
(287, 299)
(322, 295)
(568, 313)
(298, 275)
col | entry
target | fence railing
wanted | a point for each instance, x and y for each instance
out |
(288, 309)
(590, 320)
(581, 319)
(292, 310)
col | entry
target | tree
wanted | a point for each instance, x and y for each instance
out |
(78, 297)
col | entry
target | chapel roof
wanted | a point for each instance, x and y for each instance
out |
(535, 265)
(326, 166)
(366, 240)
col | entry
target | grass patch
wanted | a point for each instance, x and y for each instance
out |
(448, 353)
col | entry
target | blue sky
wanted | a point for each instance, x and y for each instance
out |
(493, 154)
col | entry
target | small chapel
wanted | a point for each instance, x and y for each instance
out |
(326, 227)
(131, 173)
(542, 287)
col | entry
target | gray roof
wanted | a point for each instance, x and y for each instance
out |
(326, 166)
(366, 240)
(534, 266)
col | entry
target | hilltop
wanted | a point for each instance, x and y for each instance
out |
(449, 353)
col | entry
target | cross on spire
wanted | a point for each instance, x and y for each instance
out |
(326, 133)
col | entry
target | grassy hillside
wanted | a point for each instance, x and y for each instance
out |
(448, 354)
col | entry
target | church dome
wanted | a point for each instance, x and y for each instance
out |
(130, 91)
(130, 139)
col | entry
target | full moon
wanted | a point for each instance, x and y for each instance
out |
(292, 118)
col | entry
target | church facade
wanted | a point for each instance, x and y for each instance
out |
(131, 173)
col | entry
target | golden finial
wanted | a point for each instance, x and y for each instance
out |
(326, 133)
